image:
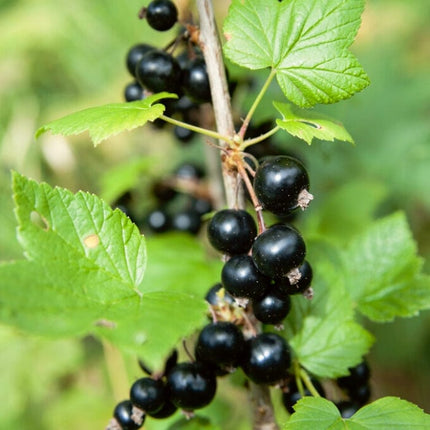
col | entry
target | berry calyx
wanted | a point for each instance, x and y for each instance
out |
(241, 278)
(232, 231)
(214, 298)
(267, 358)
(272, 308)
(148, 394)
(220, 344)
(281, 184)
(284, 286)
(161, 14)
(191, 385)
(123, 413)
(278, 250)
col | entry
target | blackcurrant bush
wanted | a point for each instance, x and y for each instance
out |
(278, 250)
(214, 299)
(161, 14)
(191, 385)
(358, 375)
(292, 396)
(284, 286)
(159, 71)
(281, 184)
(220, 344)
(267, 358)
(272, 308)
(148, 394)
(232, 231)
(241, 278)
(196, 81)
(158, 221)
(133, 92)
(135, 54)
(187, 221)
(123, 412)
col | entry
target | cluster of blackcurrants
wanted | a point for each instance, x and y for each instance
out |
(156, 70)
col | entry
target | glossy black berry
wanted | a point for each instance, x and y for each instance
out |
(201, 206)
(183, 134)
(196, 81)
(267, 358)
(161, 14)
(158, 221)
(187, 221)
(292, 396)
(278, 250)
(189, 171)
(272, 308)
(159, 71)
(232, 231)
(167, 410)
(241, 278)
(133, 92)
(215, 299)
(347, 409)
(123, 412)
(360, 394)
(278, 183)
(191, 385)
(148, 394)
(135, 54)
(358, 375)
(284, 286)
(220, 344)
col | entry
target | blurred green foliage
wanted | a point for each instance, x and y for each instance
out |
(60, 56)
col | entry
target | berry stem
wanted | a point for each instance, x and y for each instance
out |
(254, 106)
(204, 131)
(258, 139)
(307, 381)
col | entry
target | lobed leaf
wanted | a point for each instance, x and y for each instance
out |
(108, 120)
(304, 41)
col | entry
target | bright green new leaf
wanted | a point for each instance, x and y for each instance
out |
(304, 41)
(322, 332)
(382, 271)
(108, 120)
(386, 413)
(306, 125)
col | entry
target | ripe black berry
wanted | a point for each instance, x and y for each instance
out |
(159, 71)
(267, 358)
(167, 410)
(358, 375)
(278, 250)
(279, 183)
(135, 54)
(187, 221)
(148, 394)
(292, 396)
(284, 286)
(232, 231)
(360, 394)
(123, 412)
(347, 409)
(272, 308)
(214, 299)
(241, 278)
(220, 344)
(133, 92)
(161, 14)
(191, 385)
(196, 81)
(189, 171)
(201, 206)
(158, 221)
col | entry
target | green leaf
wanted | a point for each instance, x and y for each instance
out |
(382, 271)
(84, 275)
(306, 125)
(322, 332)
(305, 41)
(383, 414)
(108, 120)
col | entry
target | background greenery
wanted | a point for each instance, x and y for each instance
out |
(57, 57)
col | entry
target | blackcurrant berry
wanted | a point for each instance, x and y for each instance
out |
(241, 278)
(189, 171)
(272, 308)
(191, 385)
(347, 409)
(187, 221)
(267, 358)
(167, 410)
(123, 412)
(135, 54)
(278, 250)
(281, 185)
(201, 206)
(148, 394)
(284, 286)
(360, 394)
(196, 81)
(159, 71)
(163, 192)
(161, 14)
(292, 396)
(358, 375)
(232, 231)
(158, 221)
(220, 344)
(213, 298)
(133, 92)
